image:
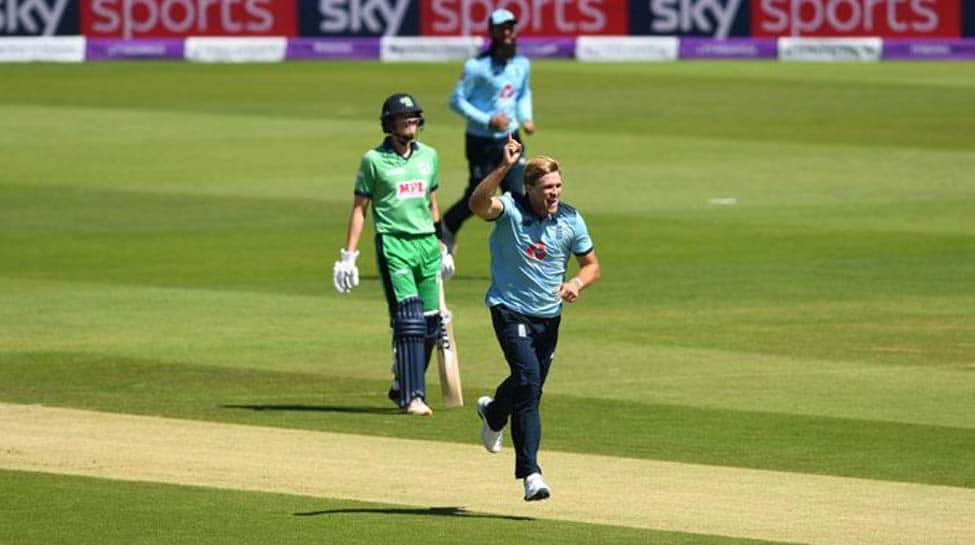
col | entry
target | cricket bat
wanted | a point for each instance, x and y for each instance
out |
(450, 388)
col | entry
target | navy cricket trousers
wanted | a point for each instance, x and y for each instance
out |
(529, 347)
(483, 156)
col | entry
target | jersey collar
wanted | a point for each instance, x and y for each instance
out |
(388, 146)
(529, 216)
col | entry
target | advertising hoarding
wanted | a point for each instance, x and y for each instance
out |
(180, 18)
(349, 28)
(346, 48)
(968, 18)
(535, 17)
(920, 50)
(107, 49)
(39, 17)
(856, 18)
(700, 18)
(728, 48)
(362, 18)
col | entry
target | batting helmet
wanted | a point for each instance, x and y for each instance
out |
(399, 104)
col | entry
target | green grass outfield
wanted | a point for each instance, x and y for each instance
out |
(167, 232)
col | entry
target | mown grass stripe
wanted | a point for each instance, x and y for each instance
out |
(95, 511)
(596, 489)
(751, 439)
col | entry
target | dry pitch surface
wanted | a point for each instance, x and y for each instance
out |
(596, 489)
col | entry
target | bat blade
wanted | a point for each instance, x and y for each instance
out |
(447, 361)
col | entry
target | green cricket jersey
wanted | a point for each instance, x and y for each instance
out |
(399, 188)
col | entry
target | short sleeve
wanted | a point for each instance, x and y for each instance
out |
(507, 206)
(581, 242)
(435, 174)
(364, 180)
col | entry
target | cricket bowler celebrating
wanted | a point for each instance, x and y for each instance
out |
(400, 178)
(534, 235)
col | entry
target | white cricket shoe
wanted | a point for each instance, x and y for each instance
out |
(492, 439)
(535, 488)
(417, 408)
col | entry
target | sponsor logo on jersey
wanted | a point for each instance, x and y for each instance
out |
(507, 91)
(536, 251)
(413, 189)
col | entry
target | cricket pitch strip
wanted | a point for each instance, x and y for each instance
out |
(725, 501)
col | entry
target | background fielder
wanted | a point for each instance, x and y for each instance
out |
(494, 96)
(400, 178)
(533, 237)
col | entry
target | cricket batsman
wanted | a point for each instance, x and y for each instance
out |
(400, 178)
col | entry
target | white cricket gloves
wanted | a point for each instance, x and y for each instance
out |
(446, 264)
(345, 272)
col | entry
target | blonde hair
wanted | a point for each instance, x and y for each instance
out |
(539, 166)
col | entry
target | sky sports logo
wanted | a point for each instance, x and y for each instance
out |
(535, 17)
(714, 18)
(38, 17)
(368, 17)
(177, 18)
(816, 18)
(829, 18)
(704, 18)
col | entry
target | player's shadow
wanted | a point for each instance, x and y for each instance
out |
(312, 408)
(428, 512)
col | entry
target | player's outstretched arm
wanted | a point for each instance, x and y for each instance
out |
(483, 202)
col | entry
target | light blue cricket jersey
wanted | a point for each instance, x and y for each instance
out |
(487, 88)
(530, 255)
